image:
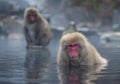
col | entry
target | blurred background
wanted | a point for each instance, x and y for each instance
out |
(98, 20)
(95, 14)
(89, 15)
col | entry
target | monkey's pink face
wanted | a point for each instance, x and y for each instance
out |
(32, 17)
(73, 50)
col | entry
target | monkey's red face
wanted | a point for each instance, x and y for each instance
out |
(32, 17)
(73, 50)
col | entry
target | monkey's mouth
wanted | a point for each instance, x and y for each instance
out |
(73, 50)
(32, 17)
(73, 54)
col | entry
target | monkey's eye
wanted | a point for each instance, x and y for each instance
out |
(32, 15)
(70, 45)
(73, 46)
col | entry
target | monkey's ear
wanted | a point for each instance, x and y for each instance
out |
(64, 44)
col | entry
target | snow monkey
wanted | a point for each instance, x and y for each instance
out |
(71, 28)
(36, 28)
(75, 49)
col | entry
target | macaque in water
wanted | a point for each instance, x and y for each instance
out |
(75, 49)
(72, 28)
(36, 28)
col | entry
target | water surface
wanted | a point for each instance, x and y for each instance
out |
(38, 65)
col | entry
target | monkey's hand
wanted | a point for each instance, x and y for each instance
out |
(27, 36)
(42, 39)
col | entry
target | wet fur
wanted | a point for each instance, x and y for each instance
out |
(70, 29)
(41, 29)
(88, 55)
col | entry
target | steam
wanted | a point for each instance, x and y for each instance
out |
(31, 2)
(37, 3)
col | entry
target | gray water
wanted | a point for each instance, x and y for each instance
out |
(38, 65)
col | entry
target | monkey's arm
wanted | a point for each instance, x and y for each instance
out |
(43, 39)
(47, 37)
(44, 36)
(27, 36)
(62, 59)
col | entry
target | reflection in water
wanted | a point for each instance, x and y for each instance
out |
(17, 67)
(79, 75)
(37, 64)
(12, 53)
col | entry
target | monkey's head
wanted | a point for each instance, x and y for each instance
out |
(31, 14)
(73, 44)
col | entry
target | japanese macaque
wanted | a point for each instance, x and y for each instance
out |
(72, 28)
(36, 28)
(75, 49)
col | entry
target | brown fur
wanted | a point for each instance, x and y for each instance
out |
(33, 10)
(72, 37)
(71, 28)
(88, 55)
(41, 29)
